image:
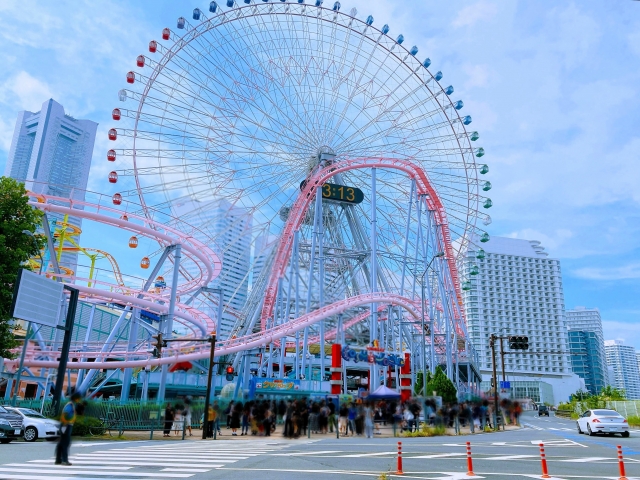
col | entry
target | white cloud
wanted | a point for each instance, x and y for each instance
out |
(624, 272)
(552, 243)
(627, 332)
(472, 14)
(478, 76)
(25, 92)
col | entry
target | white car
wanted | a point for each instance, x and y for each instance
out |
(36, 425)
(603, 421)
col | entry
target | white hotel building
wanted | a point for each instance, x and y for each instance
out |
(624, 362)
(517, 290)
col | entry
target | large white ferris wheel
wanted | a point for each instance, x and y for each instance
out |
(337, 141)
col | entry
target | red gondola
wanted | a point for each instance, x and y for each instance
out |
(117, 199)
(111, 155)
(113, 177)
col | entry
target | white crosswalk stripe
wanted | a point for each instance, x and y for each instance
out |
(176, 459)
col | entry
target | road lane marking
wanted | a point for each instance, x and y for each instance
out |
(91, 472)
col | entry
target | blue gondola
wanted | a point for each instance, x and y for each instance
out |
(336, 6)
(438, 76)
(413, 51)
(196, 14)
(458, 105)
(385, 29)
(467, 120)
(319, 3)
(230, 3)
(181, 22)
(369, 20)
(426, 63)
(213, 6)
(400, 39)
(449, 90)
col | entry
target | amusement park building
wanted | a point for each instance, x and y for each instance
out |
(586, 343)
(227, 230)
(51, 152)
(517, 290)
(625, 367)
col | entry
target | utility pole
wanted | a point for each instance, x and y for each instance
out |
(492, 344)
(504, 379)
(207, 400)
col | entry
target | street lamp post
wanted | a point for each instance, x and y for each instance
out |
(424, 349)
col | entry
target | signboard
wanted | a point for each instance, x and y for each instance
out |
(269, 385)
(505, 384)
(340, 193)
(372, 355)
(37, 299)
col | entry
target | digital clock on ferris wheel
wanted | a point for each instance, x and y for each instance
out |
(340, 193)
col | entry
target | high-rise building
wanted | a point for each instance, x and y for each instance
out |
(263, 247)
(512, 287)
(586, 343)
(624, 361)
(227, 231)
(51, 152)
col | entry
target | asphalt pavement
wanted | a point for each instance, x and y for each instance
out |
(503, 455)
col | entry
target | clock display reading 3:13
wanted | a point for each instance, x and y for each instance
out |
(342, 193)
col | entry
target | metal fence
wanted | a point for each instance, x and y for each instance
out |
(134, 415)
(627, 408)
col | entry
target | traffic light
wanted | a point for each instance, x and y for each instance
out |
(229, 376)
(157, 346)
(517, 342)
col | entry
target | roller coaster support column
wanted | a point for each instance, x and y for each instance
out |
(336, 369)
(373, 331)
(133, 340)
(321, 276)
(52, 254)
(168, 327)
(405, 378)
(109, 343)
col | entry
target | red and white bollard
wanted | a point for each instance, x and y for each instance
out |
(399, 472)
(469, 461)
(543, 460)
(623, 475)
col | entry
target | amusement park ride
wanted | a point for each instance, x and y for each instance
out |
(337, 140)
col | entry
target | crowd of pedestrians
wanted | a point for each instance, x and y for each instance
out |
(304, 416)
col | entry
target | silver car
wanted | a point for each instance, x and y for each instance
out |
(603, 421)
(36, 425)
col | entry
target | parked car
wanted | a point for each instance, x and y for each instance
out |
(36, 425)
(603, 421)
(543, 410)
(10, 426)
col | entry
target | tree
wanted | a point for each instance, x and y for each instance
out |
(16, 215)
(442, 386)
(612, 394)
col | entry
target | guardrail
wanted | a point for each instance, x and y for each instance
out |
(564, 413)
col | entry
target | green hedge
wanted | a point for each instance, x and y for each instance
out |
(634, 420)
(82, 425)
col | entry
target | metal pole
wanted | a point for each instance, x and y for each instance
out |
(321, 278)
(492, 344)
(423, 334)
(219, 319)
(373, 329)
(66, 345)
(207, 400)
(504, 379)
(168, 328)
(19, 373)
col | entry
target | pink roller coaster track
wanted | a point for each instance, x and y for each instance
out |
(254, 340)
(307, 195)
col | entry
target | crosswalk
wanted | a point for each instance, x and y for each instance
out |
(541, 428)
(167, 460)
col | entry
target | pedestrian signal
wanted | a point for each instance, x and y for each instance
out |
(229, 376)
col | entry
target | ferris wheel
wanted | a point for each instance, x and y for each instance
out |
(241, 107)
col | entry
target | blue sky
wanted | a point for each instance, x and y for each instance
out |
(552, 88)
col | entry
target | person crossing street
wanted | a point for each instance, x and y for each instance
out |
(67, 419)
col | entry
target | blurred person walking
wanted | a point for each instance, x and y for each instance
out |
(168, 420)
(67, 419)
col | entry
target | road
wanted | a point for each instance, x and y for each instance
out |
(503, 455)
